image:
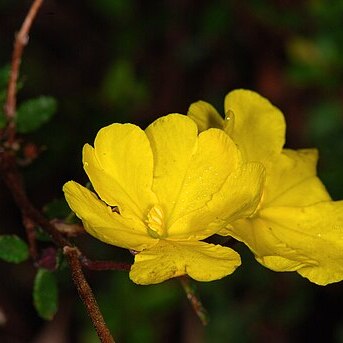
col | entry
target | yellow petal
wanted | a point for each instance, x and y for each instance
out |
(174, 141)
(259, 127)
(292, 181)
(120, 167)
(101, 222)
(216, 158)
(205, 116)
(238, 198)
(306, 239)
(201, 261)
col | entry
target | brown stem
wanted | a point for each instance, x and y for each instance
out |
(21, 39)
(69, 230)
(104, 265)
(193, 299)
(86, 295)
(31, 237)
(13, 179)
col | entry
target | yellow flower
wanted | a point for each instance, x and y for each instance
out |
(162, 191)
(296, 227)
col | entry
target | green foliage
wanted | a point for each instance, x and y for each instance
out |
(57, 208)
(325, 131)
(2, 119)
(120, 9)
(45, 294)
(61, 262)
(121, 86)
(269, 12)
(13, 249)
(33, 113)
(143, 310)
(216, 20)
(4, 74)
(42, 235)
(315, 60)
(325, 120)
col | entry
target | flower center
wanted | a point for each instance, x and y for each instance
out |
(155, 222)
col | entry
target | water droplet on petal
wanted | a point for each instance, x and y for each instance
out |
(229, 122)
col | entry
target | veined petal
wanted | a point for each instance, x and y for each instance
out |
(120, 167)
(238, 197)
(205, 116)
(201, 261)
(292, 181)
(216, 158)
(259, 127)
(174, 141)
(306, 239)
(256, 233)
(101, 222)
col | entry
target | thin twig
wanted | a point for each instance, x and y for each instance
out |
(69, 230)
(87, 296)
(31, 237)
(104, 265)
(31, 216)
(194, 299)
(22, 38)
(13, 180)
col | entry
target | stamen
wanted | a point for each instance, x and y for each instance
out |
(155, 222)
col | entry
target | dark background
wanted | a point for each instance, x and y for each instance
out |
(132, 61)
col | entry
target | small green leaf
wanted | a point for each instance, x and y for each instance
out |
(45, 294)
(35, 112)
(13, 249)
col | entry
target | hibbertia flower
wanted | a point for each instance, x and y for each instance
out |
(297, 226)
(164, 190)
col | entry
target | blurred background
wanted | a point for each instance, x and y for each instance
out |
(132, 61)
